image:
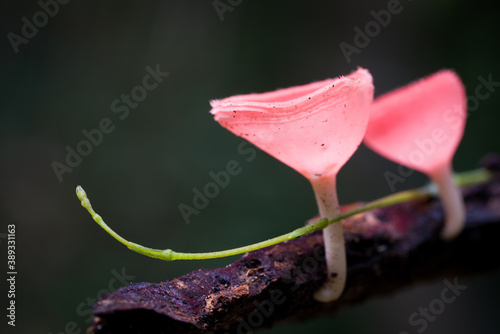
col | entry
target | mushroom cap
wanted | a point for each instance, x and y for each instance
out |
(420, 125)
(313, 128)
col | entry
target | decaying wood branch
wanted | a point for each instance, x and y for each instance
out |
(387, 249)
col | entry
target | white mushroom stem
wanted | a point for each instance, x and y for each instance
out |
(326, 196)
(453, 203)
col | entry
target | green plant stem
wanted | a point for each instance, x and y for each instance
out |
(463, 179)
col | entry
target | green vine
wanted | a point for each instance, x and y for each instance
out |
(462, 180)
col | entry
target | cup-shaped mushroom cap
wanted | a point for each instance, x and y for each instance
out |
(420, 125)
(314, 128)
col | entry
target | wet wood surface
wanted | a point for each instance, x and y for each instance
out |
(387, 249)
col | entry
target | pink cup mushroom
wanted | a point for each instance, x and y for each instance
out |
(314, 129)
(420, 126)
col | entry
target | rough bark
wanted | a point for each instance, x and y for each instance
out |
(387, 249)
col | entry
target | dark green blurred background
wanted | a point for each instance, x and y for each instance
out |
(64, 79)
